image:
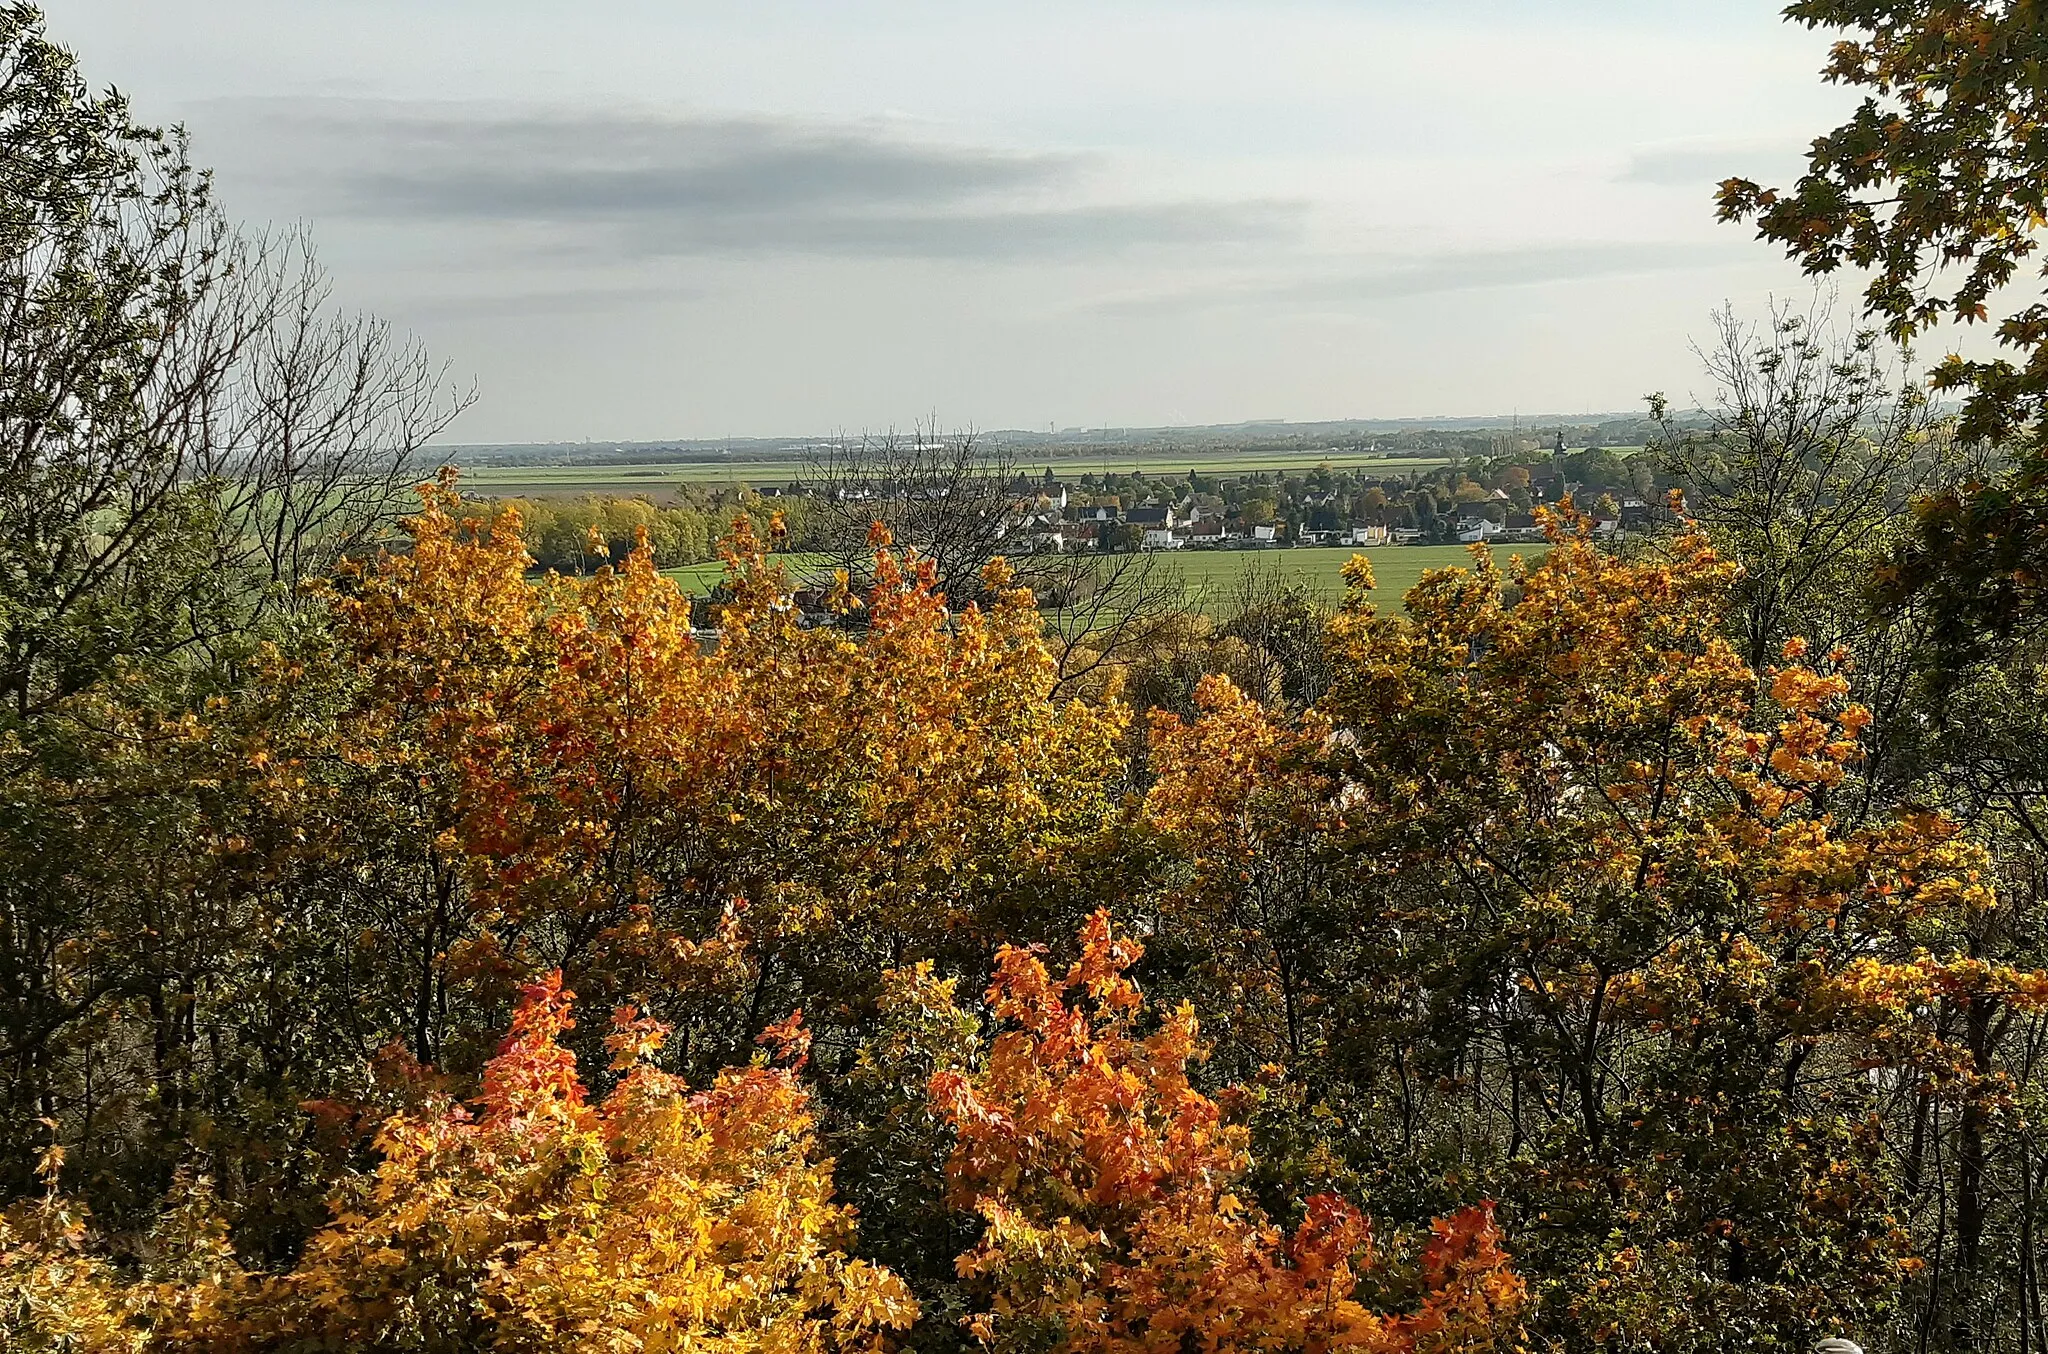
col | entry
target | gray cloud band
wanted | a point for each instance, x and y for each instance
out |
(1399, 277)
(1702, 167)
(665, 185)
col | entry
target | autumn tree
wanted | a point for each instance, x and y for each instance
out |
(1937, 169)
(659, 1217)
(57, 1293)
(781, 817)
(1602, 949)
(1247, 889)
(191, 431)
(1108, 1186)
(1933, 188)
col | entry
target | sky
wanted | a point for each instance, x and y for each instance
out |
(649, 219)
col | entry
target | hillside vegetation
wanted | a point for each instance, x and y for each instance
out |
(427, 925)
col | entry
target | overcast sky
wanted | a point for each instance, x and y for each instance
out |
(637, 219)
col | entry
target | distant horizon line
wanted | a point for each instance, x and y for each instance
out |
(1432, 423)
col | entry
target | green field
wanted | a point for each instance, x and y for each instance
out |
(658, 480)
(655, 481)
(1212, 576)
(700, 579)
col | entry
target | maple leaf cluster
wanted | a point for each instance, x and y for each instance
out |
(1110, 1187)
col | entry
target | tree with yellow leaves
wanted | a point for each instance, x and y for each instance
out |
(1590, 939)
(747, 824)
(56, 1292)
(658, 1218)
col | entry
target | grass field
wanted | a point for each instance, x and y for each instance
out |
(657, 480)
(1212, 576)
(700, 579)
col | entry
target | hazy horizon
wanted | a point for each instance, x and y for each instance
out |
(692, 221)
(1536, 424)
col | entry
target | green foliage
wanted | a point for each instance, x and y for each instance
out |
(108, 257)
(891, 1144)
(1939, 170)
(578, 536)
(1934, 188)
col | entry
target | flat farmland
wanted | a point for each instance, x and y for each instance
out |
(700, 579)
(612, 481)
(1211, 461)
(1213, 576)
(657, 480)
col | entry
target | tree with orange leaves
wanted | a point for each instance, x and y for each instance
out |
(1109, 1187)
(1591, 940)
(746, 825)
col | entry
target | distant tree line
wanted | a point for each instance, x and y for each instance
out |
(580, 535)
